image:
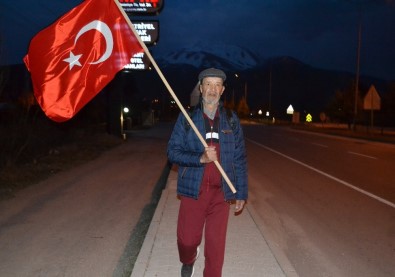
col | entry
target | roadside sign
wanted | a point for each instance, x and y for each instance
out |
(139, 61)
(372, 100)
(141, 6)
(290, 109)
(147, 30)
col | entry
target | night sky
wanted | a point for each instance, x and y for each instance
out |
(321, 33)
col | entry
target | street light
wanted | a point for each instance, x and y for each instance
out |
(125, 119)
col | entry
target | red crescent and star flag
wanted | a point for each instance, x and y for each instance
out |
(73, 59)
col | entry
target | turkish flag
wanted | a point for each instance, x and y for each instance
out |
(73, 59)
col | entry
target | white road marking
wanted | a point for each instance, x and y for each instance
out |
(327, 175)
(321, 145)
(362, 155)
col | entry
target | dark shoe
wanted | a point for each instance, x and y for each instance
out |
(187, 270)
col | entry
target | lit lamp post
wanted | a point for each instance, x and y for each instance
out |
(237, 82)
(242, 107)
(125, 110)
(231, 102)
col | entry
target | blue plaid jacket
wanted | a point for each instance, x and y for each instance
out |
(185, 149)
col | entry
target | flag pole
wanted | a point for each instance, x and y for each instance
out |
(173, 94)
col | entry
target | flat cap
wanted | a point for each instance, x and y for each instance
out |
(212, 72)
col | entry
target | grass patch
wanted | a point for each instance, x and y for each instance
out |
(46, 159)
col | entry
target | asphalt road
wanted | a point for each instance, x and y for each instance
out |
(328, 204)
(83, 221)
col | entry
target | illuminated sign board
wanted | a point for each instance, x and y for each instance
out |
(147, 30)
(290, 109)
(139, 61)
(141, 6)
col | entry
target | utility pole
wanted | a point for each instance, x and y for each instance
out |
(270, 90)
(359, 6)
(357, 76)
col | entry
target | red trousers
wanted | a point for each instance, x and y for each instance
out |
(209, 213)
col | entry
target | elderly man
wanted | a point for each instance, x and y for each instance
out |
(205, 196)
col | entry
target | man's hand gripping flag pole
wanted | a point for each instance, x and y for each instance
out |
(174, 95)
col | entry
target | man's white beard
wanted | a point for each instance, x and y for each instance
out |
(211, 102)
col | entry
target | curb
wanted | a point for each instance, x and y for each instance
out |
(144, 255)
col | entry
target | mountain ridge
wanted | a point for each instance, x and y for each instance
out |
(274, 82)
(268, 82)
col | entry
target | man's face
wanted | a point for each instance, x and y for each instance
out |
(212, 89)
